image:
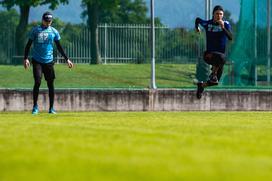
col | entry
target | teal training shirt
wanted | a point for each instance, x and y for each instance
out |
(43, 39)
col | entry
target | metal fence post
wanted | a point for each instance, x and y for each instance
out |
(153, 81)
(255, 43)
(105, 44)
(268, 41)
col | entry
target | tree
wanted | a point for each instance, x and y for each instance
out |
(114, 11)
(127, 11)
(8, 22)
(24, 8)
(94, 9)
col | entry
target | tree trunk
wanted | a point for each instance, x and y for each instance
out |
(92, 9)
(20, 35)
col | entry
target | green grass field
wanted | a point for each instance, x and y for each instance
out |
(128, 76)
(103, 76)
(136, 146)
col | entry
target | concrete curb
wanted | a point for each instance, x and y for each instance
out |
(139, 100)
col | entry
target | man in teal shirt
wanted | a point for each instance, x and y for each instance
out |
(43, 38)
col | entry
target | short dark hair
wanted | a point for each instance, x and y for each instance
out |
(47, 16)
(218, 7)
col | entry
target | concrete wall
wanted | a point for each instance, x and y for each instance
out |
(139, 100)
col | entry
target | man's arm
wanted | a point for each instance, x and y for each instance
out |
(226, 29)
(197, 22)
(228, 33)
(203, 23)
(60, 49)
(27, 48)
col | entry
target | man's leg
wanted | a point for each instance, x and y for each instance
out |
(51, 89)
(37, 74)
(49, 74)
(210, 59)
(220, 71)
(213, 77)
(36, 92)
(217, 60)
(207, 56)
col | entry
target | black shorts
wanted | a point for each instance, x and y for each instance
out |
(43, 68)
(217, 58)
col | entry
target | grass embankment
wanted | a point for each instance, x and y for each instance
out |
(103, 76)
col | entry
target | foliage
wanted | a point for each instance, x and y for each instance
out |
(8, 19)
(122, 12)
(33, 3)
(24, 8)
(175, 42)
(117, 11)
(127, 11)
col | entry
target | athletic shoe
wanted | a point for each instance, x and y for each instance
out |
(52, 111)
(200, 90)
(35, 110)
(213, 80)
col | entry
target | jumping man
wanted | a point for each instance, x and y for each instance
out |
(217, 32)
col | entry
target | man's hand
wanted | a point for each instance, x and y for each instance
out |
(26, 63)
(198, 30)
(70, 64)
(221, 23)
